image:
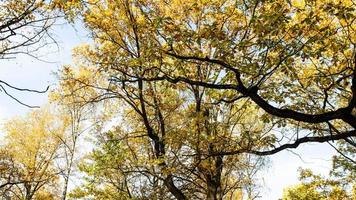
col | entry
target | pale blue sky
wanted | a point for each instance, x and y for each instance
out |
(27, 72)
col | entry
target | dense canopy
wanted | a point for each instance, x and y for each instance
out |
(185, 98)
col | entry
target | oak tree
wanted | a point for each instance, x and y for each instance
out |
(292, 62)
(293, 59)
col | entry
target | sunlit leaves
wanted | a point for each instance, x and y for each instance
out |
(317, 187)
(31, 145)
(159, 58)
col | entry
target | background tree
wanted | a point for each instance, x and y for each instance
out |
(77, 113)
(317, 187)
(340, 184)
(27, 162)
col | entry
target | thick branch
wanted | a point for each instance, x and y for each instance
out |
(341, 113)
(316, 139)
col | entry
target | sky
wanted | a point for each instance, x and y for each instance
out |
(27, 72)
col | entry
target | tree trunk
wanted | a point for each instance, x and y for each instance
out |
(214, 191)
(64, 193)
(173, 189)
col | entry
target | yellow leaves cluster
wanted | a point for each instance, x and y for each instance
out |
(306, 71)
(69, 7)
(34, 141)
(317, 187)
(298, 3)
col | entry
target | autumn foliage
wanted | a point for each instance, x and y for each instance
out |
(187, 97)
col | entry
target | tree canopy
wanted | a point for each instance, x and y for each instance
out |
(192, 94)
(297, 64)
